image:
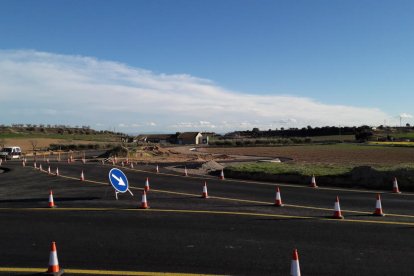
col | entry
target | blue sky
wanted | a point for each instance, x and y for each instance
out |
(316, 62)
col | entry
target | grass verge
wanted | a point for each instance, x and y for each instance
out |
(309, 169)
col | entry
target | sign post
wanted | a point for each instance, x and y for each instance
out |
(119, 181)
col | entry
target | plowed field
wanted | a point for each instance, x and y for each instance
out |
(346, 154)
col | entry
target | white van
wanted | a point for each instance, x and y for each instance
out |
(10, 153)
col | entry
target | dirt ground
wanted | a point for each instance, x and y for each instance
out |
(346, 154)
(27, 144)
(334, 154)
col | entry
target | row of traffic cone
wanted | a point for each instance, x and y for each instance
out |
(144, 201)
(378, 208)
(49, 171)
(337, 209)
(54, 267)
(395, 188)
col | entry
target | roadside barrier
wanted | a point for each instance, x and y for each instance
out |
(205, 193)
(144, 203)
(294, 265)
(222, 175)
(313, 182)
(51, 201)
(378, 207)
(147, 186)
(395, 188)
(337, 210)
(54, 268)
(278, 199)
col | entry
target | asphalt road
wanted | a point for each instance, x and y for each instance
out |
(236, 231)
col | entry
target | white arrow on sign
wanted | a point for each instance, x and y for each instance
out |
(120, 180)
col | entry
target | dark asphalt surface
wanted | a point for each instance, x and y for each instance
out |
(123, 237)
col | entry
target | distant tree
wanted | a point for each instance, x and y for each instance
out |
(33, 143)
(407, 125)
(363, 135)
(2, 142)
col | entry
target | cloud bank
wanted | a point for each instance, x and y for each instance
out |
(39, 87)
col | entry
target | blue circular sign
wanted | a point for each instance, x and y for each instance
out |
(118, 180)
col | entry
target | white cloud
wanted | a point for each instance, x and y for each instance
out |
(38, 87)
(405, 116)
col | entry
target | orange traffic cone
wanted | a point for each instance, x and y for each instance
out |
(122, 163)
(57, 171)
(222, 175)
(51, 202)
(185, 171)
(82, 176)
(337, 210)
(146, 187)
(294, 265)
(378, 207)
(395, 186)
(23, 163)
(34, 165)
(132, 165)
(144, 203)
(83, 160)
(157, 169)
(278, 199)
(313, 182)
(54, 268)
(205, 193)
